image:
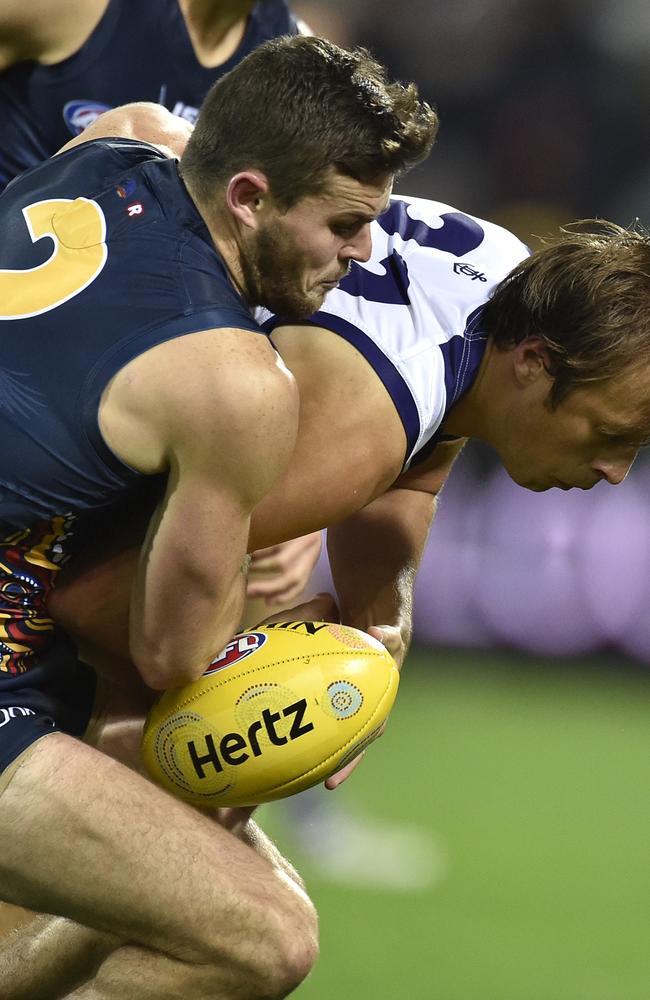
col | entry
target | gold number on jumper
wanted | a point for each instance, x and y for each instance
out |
(77, 229)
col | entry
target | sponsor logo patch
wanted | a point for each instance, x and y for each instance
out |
(469, 271)
(78, 115)
(186, 111)
(126, 188)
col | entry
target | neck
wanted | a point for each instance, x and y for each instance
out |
(215, 29)
(225, 236)
(475, 414)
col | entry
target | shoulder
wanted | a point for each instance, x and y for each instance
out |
(200, 371)
(217, 377)
(212, 395)
(426, 231)
(47, 31)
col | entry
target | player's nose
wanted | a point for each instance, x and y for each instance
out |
(360, 247)
(613, 470)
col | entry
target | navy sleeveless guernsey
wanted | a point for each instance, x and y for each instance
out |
(139, 51)
(103, 255)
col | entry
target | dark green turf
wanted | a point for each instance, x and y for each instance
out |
(534, 777)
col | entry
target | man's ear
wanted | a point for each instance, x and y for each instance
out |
(245, 196)
(531, 361)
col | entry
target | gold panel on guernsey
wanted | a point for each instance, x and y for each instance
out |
(78, 231)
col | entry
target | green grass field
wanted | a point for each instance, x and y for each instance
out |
(533, 779)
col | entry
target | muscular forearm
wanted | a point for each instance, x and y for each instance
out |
(374, 557)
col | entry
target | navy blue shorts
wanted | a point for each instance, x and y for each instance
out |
(57, 694)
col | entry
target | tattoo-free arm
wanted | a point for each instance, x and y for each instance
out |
(374, 555)
(180, 407)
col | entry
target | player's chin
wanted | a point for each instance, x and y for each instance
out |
(528, 483)
(316, 296)
(298, 305)
(319, 291)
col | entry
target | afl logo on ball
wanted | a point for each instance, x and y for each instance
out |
(78, 115)
(237, 649)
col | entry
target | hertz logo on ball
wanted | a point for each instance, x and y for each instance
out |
(280, 709)
(233, 747)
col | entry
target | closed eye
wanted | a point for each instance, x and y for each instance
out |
(627, 439)
(346, 230)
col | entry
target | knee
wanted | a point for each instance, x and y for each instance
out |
(272, 962)
(294, 957)
(284, 959)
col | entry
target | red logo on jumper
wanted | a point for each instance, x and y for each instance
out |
(237, 649)
(137, 208)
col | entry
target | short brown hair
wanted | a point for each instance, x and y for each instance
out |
(295, 107)
(586, 293)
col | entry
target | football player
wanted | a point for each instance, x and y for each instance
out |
(132, 368)
(63, 63)
(451, 329)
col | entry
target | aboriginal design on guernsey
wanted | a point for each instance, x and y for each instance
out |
(29, 562)
(30, 557)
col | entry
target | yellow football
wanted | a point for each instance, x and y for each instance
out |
(280, 709)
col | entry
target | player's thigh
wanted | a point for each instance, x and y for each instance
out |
(87, 838)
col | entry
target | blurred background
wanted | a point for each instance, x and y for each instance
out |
(495, 844)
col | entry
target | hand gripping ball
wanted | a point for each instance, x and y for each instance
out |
(281, 708)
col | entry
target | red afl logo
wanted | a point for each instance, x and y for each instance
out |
(237, 649)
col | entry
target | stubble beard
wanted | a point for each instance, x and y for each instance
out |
(271, 270)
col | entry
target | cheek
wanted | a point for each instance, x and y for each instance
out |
(322, 252)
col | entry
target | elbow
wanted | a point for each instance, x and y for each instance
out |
(162, 669)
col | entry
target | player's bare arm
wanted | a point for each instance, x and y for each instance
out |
(278, 575)
(350, 449)
(374, 554)
(182, 408)
(351, 443)
(374, 557)
(45, 31)
(350, 452)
